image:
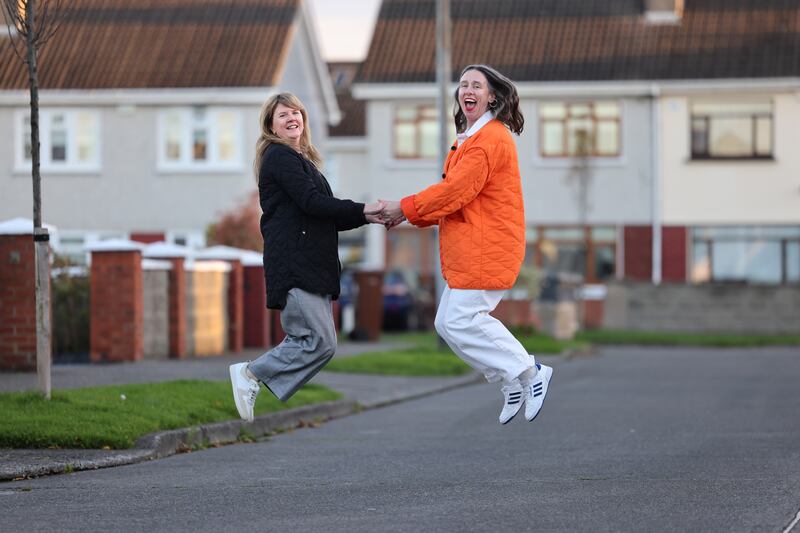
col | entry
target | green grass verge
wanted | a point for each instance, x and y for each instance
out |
(541, 344)
(99, 417)
(418, 361)
(647, 338)
(426, 358)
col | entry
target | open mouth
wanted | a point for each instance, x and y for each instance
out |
(470, 104)
(292, 126)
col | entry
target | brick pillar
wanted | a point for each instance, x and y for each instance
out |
(236, 306)
(177, 309)
(116, 302)
(257, 331)
(17, 296)
(176, 255)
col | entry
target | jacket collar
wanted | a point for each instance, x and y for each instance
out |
(481, 122)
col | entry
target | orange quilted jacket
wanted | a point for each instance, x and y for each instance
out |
(479, 209)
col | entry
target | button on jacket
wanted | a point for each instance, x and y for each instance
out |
(479, 209)
(300, 224)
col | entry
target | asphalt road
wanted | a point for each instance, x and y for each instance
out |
(630, 440)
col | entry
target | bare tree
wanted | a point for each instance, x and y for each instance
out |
(31, 23)
(580, 175)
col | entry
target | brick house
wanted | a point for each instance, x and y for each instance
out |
(149, 113)
(689, 108)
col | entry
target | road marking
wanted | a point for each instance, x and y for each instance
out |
(794, 523)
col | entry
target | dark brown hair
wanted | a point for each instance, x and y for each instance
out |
(506, 108)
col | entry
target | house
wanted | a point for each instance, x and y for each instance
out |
(659, 135)
(149, 114)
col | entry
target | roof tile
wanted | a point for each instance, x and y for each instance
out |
(576, 40)
(111, 44)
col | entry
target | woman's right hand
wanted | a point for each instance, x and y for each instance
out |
(392, 213)
(373, 212)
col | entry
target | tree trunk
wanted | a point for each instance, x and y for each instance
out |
(40, 236)
(33, 83)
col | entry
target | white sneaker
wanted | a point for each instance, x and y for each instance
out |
(245, 390)
(536, 391)
(514, 400)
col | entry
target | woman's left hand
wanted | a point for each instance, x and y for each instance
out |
(373, 212)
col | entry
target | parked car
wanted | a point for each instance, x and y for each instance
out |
(406, 304)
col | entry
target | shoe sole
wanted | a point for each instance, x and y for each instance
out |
(545, 395)
(512, 417)
(236, 398)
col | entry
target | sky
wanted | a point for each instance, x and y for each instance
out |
(344, 27)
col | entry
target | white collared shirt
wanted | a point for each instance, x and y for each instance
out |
(481, 122)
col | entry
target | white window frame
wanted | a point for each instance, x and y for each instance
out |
(71, 165)
(610, 161)
(186, 163)
(753, 116)
(415, 161)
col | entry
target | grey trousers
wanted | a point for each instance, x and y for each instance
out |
(309, 344)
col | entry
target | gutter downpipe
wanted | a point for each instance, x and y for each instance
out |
(444, 75)
(655, 193)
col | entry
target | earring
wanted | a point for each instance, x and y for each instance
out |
(493, 104)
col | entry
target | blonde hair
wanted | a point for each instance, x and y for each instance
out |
(268, 137)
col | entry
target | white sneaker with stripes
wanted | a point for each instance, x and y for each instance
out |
(535, 391)
(513, 401)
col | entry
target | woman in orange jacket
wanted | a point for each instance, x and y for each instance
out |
(478, 207)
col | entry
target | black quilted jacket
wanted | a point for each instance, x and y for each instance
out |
(300, 224)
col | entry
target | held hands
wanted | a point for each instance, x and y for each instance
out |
(372, 212)
(386, 212)
(392, 213)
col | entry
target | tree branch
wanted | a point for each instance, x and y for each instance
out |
(49, 28)
(11, 16)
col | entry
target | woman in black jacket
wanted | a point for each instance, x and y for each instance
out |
(300, 224)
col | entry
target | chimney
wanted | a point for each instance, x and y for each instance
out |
(663, 11)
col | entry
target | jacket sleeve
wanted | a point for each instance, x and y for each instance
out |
(463, 183)
(356, 220)
(287, 169)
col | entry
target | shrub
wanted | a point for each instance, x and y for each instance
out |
(70, 304)
(239, 227)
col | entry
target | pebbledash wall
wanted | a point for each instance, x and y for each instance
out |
(734, 308)
(155, 285)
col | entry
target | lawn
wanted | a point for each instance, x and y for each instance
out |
(417, 361)
(648, 338)
(425, 357)
(115, 416)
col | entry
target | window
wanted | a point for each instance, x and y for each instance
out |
(590, 129)
(416, 132)
(589, 252)
(69, 140)
(756, 254)
(731, 130)
(199, 138)
(71, 246)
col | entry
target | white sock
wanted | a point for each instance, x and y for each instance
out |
(250, 374)
(527, 377)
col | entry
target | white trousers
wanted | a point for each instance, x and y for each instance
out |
(482, 341)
